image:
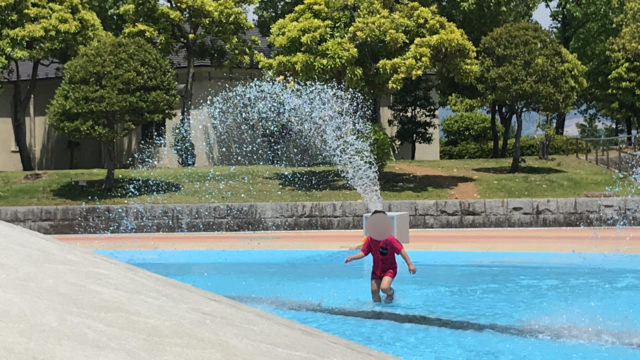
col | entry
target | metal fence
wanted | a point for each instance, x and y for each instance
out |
(619, 153)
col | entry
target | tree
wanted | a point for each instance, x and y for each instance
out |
(478, 18)
(270, 11)
(589, 128)
(584, 28)
(108, 11)
(414, 113)
(196, 29)
(36, 32)
(526, 69)
(110, 88)
(370, 45)
(624, 53)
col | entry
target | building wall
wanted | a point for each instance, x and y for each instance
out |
(9, 159)
(423, 151)
(51, 150)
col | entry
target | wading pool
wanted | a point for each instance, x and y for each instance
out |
(460, 305)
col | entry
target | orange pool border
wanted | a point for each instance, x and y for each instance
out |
(601, 240)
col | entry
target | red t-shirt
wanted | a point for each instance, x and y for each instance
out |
(384, 255)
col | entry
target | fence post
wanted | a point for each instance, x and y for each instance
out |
(619, 158)
(586, 151)
(607, 158)
(597, 149)
(577, 147)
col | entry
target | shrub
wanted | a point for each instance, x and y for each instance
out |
(465, 150)
(382, 147)
(528, 147)
(467, 127)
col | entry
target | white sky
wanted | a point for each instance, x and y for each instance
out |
(541, 15)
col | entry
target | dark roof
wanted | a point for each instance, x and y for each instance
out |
(48, 70)
(54, 69)
(178, 59)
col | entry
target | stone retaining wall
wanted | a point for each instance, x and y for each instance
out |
(323, 215)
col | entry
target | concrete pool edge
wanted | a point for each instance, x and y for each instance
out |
(64, 302)
(601, 239)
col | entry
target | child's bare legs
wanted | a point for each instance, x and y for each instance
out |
(385, 286)
(375, 290)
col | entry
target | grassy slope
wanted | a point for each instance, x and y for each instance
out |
(561, 177)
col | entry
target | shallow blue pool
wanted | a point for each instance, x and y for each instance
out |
(460, 305)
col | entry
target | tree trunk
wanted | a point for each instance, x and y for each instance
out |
(110, 164)
(413, 150)
(18, 110)
(561, 119)
(628, 125)
(515, 163)
(186, 148)
(505, 120)
(494, 132)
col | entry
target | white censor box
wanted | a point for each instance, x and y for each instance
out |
(400, 225)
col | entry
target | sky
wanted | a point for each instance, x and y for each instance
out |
(541, 15)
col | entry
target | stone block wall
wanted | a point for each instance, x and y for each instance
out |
(493, 213)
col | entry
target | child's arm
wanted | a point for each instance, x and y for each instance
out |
(357, 256)
(407, 259)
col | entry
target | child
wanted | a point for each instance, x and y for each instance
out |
(384, 253)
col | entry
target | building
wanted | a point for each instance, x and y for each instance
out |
(50, 150)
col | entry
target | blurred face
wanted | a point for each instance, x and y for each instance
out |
(379, 226)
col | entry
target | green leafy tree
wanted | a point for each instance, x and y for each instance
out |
(478, 18)
(33, 33)
(270, 11)
(370, 45)
(198, 29)
(589, 128)
(526, 69)
(584, 28)
(414, 113)
(624, 52)
(108, 11)
(110, 88)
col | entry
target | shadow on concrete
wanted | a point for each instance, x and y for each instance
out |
(523, 170)
(123, 188)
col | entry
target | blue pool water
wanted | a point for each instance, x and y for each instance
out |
(460, 305)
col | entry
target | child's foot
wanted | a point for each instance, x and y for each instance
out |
(389, 298)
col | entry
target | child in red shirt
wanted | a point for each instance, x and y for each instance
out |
(385, 267)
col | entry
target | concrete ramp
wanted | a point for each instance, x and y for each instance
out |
(58, 301)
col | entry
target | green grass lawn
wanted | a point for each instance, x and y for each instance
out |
(560, 177)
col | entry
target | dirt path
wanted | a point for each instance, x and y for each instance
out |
(601, 240)
(460, 191)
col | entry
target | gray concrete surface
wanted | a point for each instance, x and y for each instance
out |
(424, 214)
(58, 301)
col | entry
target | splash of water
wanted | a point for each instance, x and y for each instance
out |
(286, 124)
